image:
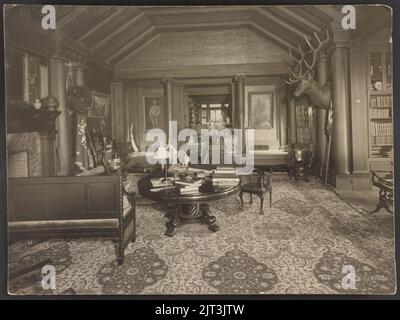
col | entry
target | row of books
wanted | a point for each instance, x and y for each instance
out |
(224, 177)
(381, 101)
(381, 113)
(381, 152)
(381, 129)
(382, 140)
(305, 135)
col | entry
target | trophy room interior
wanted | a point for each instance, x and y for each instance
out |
(85, 84)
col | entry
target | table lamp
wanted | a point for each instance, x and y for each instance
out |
(162, 155)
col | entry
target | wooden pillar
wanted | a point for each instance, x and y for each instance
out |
(168, 99)
(79, 74)
(341, 132)
(359, 110)
(117, 107)
(322, 78)
(57, 69)
(178, 106)
(283, 123)
(240, 101)
(25, 77)
(233, 104)
(291, 113)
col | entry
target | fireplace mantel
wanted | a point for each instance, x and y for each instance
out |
(24, 118)
(32, 131)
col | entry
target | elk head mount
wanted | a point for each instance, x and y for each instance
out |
(319, 96)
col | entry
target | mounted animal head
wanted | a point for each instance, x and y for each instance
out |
(304, 79)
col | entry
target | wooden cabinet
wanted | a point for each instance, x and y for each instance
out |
(305, 122)
(380, 109)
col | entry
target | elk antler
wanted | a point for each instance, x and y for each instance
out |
(316, 49)
(300, 74)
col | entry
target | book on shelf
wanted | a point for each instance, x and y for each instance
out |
(383, 101)
(381, 113)
(381, 128)
(382, 140)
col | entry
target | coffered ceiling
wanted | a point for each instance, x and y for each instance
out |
(109, 34)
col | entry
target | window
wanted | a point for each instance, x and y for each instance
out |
(210, 111)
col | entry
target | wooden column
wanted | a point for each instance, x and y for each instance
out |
(168, 99)
(117, 107)
(340, 96)
(240, 101)
(79, 74)
(291, 113)
(233, 104)
(178, 106)
(283, 123)
(322, 78)
(359, 110)
(57, 69)
(25, 77)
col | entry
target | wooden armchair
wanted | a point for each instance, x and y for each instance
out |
(260, 187)
(385, 184)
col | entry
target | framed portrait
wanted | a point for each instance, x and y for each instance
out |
(100, 105)
(261, 110)
(154, 112)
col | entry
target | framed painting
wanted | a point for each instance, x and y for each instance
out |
(100, 105)
(261, 110)
(154, 112)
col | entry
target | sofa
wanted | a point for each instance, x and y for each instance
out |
(65, 207)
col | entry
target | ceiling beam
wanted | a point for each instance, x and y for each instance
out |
(330, 11)
(201, 71)
(126, 55)
(273, 37)
(99, 25)
(138, 14)
(149, 33)
(299, 18)
(270, 16)
(201, 26)
(74, 13)
(150, 11)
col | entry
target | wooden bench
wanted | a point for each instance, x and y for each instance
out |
(63, 207)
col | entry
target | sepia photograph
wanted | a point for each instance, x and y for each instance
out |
(285, 112)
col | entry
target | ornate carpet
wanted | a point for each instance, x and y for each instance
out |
(299, 246)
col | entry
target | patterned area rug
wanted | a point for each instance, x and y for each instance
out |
(303, 244)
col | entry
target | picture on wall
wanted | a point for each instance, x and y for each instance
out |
(100, 105)
(154, 112)
(261, 110)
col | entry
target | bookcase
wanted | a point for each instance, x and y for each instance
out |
(305, 122)
(380, 110)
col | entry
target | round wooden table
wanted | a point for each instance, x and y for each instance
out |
(190, 206)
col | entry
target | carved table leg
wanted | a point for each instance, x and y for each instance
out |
(209, 219)
(172, 223)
